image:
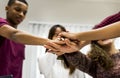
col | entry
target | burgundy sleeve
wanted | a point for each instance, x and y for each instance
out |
(3, 22)
(108, 20)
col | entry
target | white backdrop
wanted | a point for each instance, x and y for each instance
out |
(30, 69)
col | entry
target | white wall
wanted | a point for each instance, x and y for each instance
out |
(68, 11)
(72, 11)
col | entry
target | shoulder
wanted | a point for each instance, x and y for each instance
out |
(3, 21)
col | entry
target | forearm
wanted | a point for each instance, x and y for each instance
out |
(80, 61)
(21, 36)
(25, 38)
(110, 31)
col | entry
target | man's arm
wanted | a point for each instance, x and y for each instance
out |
(20, 36)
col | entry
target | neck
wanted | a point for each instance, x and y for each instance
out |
(15, 26)
(11, 24)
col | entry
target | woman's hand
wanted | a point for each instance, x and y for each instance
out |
(59, 49)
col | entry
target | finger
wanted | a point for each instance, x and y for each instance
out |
(69, 43)
(53, 52)
(59, 53)
(50, 48)
(54, 45)
(59, 42)
(64, 34)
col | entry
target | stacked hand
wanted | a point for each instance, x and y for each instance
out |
(63, 45)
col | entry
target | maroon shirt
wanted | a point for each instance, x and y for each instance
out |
(85, 64)
(11, 55)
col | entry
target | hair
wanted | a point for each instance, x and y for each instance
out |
(99, 55)
(53, 29)
(62, 57)
(10, 2)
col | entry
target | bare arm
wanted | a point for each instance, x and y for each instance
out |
(110, 31)
(20, 36)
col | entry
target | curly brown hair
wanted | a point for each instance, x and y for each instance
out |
(99, 55)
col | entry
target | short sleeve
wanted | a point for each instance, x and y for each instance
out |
(108, 20)
(3, 22)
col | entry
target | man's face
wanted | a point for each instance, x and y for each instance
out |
(16, 12)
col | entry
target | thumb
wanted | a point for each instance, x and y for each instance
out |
(67, 41)
(64, 34)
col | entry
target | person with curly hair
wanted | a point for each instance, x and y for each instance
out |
(103, 60)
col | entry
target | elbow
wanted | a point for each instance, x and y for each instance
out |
(13, 36)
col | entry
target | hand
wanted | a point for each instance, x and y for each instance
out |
(59, 49)
(105, 42)
(71, 36)
(57, 41)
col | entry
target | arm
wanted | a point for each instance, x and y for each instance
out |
(76, 58)
(68, 48)
(20, 36)
(82, 62)
(110, 31)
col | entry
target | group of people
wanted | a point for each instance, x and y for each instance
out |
(102, 61)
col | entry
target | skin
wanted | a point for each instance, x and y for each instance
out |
(61, 49)
(15, 15)
(107, 32)
(56, 36)
(108, 46)
(58, 30)
(110, 31)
